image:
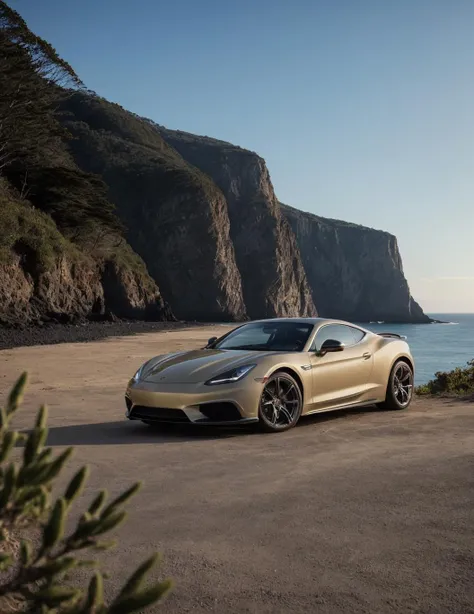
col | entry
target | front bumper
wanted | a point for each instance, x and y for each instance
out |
(194, 403)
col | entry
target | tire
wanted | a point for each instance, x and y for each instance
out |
(281, 403)
(399, 388)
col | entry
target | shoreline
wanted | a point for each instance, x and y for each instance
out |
(83, 332)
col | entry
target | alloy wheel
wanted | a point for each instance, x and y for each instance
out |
(280, 404)
(403, 384)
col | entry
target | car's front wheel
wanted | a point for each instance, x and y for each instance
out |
(281, 403)
(400, 387)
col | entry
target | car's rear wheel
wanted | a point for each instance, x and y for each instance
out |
(400, 387)
(281, 403)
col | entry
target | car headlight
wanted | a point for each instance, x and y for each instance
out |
(234, 375)
(136, 377)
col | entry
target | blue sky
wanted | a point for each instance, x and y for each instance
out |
(363, 109)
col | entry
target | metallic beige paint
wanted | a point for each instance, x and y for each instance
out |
(356, 376)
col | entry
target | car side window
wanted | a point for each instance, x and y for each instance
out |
(357, 333)
(339, 332)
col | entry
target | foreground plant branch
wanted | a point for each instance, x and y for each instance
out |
(39, 579)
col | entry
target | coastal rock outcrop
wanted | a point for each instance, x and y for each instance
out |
(355, 272)
(336, 268)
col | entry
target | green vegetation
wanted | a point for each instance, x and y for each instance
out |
(459, 381)
(49, 206)
(112, 142)
(38, 578)
(35, 163)
(25, 230)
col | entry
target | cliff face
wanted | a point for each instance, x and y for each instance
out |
(355, 272)
(273, 278)
(69, 290)
(294, 262)
(176, 217)
(44, 277)
(203, 215)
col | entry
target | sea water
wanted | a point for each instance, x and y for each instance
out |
(436, 347)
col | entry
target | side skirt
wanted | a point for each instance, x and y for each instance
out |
(342, 406)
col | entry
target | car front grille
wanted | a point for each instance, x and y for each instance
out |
(220, 412)
(158, 414)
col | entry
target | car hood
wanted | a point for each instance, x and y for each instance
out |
(196, 366)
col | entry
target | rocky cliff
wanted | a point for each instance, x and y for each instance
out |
(105, 213)
(355, 272)
(273, 278)
(44, 277)
(176, 217)
(343, 270)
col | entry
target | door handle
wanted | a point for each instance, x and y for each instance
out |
(366, 355)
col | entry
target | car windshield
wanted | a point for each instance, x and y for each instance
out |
(268, 336)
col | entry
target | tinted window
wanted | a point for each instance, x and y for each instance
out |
(265, 336)
(358, 334)
(339, 332)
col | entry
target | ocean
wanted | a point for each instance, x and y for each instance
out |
(436, 347)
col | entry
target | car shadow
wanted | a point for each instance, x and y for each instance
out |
(126, 432)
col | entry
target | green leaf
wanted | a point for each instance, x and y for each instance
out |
(141, 600)
(44, 455)
(108, 523)
(42, 417)
(97, 503)
(136, 579)
(54, 568)
(76, 484)
(123, 498)
(16, 395)
(95, 593)
(84, 530)
(54, 530)
(25, 552)
(27, 494)
(51, 470)
(55, 595)
(9, 485)
(9, 441)
(6, 560)
(3, 418)
(34, 444)
(43, 499)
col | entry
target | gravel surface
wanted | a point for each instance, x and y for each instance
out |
(51, 334)
(352, 512)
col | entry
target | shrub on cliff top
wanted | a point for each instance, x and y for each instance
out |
(37, 578)
(459, 381)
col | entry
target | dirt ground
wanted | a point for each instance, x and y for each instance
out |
(351, 512)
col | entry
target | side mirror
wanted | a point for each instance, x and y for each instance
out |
(211, 341)
(331, 345)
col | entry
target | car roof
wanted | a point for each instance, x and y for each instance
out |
(312, 321)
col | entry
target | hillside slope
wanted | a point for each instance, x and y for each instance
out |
(44, 276)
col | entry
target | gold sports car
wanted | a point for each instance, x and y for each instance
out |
(273, 372)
